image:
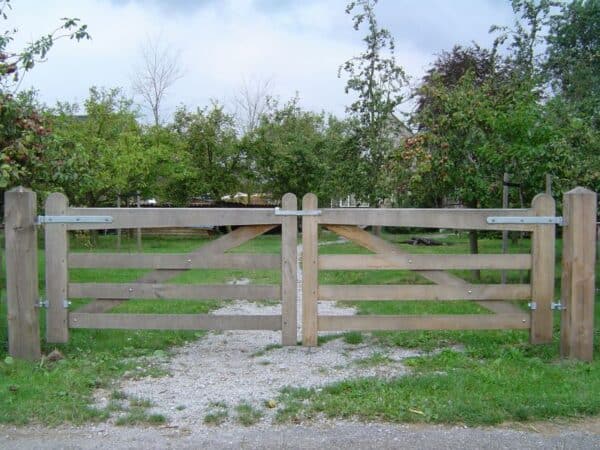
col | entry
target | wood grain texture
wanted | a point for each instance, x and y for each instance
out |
(289, 269)
(433, 322)
(177, 261)
(173, 217)
(578, 277)
(310, 272)
(379, 245)
(57, 276)
(455, 219)
(377, 292)
(174, 291)
(423, 262)
(20, 207)
(219, 245)
(173, 322)
(542, 272)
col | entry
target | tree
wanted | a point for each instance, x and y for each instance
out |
(208, 136)
(377, 81)
(23, 129)
(159, 69)
(251, 103)
(97, 155)
(574, 55)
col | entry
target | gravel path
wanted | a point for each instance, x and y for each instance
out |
(250, 367)
(326, 435)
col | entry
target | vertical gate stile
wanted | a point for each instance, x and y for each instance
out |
(542, 271)
(56, 245)
(310, 272)
(289, 269)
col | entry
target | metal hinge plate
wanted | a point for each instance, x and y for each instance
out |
(537, 220)
(284, 212)
(558, 306)
(73, 219)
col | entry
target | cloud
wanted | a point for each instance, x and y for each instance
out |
(299, 45)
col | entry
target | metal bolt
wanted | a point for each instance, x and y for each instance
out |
(410, 261)
(130, 289)
(470, 291)
(189, 260)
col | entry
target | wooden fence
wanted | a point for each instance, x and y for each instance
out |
(577, 282)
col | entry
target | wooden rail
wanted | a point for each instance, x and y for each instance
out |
(352, 292)
(456, 219)
(423, 262)
(173, 217)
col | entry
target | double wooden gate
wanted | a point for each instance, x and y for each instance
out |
(578, 270)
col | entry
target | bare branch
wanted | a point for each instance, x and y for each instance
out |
(160, 67)
(251, 102)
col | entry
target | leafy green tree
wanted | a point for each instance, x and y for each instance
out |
(574, 55)
(377, 81)
(218, 165)
(23, 130)
(96, 155)
(287, 150)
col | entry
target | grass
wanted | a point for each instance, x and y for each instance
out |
(498, 376)
(247, 415)
(59, 392)
(218, 414)
(478, 377)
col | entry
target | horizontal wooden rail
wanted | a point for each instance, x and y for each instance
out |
(173, 321)
(429, 322)
(174, 291)
(423, 262)
(332, 292)
(456, 219)
(174, 261)
(173, 217)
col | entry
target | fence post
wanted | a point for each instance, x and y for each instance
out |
(22, 273)
(289, 272)
(579, 252)
(310, 274)
(56, 242)
(542, 271)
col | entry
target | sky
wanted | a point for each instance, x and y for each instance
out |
(297, 45)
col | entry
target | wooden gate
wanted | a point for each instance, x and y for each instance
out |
(252, 222)
(446, 287)
(577, 304)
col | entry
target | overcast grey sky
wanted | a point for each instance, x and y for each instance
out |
(297, 44)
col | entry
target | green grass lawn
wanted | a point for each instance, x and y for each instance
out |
(53, 393)
(473, 377)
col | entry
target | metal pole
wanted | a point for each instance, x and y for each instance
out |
(505, 181)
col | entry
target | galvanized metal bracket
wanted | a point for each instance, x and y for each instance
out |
(536, 220)
(42, 303)
(41, 220)
(558, 306)
(532, 306)
(309, 212)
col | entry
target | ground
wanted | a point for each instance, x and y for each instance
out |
(224, 390)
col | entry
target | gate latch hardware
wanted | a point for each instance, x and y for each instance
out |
(42, 303)
(532, 306)
(537, 220)
(558, 306)
(73, 219)
(310, 212)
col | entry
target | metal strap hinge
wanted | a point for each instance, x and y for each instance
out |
(559, 306)
(310, 212)
(537, 220)
(73, 219)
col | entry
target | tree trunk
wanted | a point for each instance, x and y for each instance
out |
(474, 248)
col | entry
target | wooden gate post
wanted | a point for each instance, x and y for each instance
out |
(310, 272)
(22, 273)
(579, 252)
(56, 241)
(542, 271)
(289, 272)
